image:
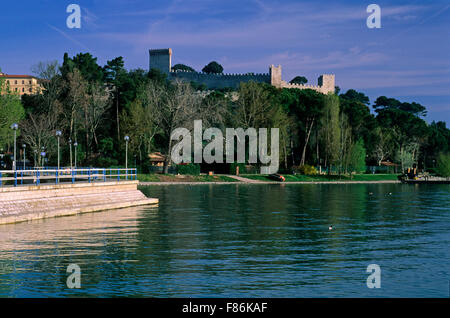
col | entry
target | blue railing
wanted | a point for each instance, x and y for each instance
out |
(64, 175)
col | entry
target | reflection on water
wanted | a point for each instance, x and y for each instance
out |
(241, 241)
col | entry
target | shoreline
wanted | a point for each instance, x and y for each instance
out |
(146, 183)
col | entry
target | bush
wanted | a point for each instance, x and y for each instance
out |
(191, 169)
(146, 167)
(105, 162)
(305, 169)
(443, 165)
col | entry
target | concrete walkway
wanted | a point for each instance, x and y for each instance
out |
(246, 180)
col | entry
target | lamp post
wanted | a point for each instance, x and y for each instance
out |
(14, 127)
(58, 135)
(1, 157)
(35, 152)
(24, 147)
(70, 147)
(75, 144)
(43, 156)
(126, 153)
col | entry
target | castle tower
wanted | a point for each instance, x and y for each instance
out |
(326, 83)
(275, 76)
(161, 60)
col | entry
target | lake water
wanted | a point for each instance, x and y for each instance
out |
(241, 241)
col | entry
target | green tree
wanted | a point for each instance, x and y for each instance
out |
(351, 94)
(307, 109)
(213, 68)
(357, 157)
(113, 73)
(438, 141)
(330, 129)
(86, 64)
(443, 165)
(182, 67)
(299, 80)
(384, 103)
(345, 143)
(11, 111)
(405, 155)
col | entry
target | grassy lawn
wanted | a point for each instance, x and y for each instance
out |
(183, 178)
(358, 177)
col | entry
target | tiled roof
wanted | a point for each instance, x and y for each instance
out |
(16, 76)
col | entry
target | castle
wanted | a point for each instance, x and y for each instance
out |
(161, 59)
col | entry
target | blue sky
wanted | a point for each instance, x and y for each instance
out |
(408, 58)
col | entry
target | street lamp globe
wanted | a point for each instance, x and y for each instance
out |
(58, 133)
(127, 138)
(14, 126)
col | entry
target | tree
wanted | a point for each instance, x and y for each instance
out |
(383, 145)
(357, 157)
(76, 92)
(95, 108)
(141, 129)
(345, 143)
(443, 165)
(409, 131)
(175, 105)
(438, 141)
(330, 131)
(11, 111)
(38, 130)
(383, 103)
(405, 155)
(86, 64)
(299, 80)
(351, 94)
(213, 68)
(252, 109)
(307, 108)
(46, 70)
(113, 71)
(182, 67)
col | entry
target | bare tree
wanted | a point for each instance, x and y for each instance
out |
(75, 101)
(46, 70)
(383, 145)
(174, 106)
(97, 104)
(252, 106)
(38, 130)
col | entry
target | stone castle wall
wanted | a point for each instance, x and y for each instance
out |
(161, 59)
(217, 81)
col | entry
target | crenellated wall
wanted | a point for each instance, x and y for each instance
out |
(161, 59)
(325, 82)
(217, 81)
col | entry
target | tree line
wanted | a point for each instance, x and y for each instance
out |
(96, 106)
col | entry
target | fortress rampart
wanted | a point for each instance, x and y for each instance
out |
(216, 81)
(161, 59)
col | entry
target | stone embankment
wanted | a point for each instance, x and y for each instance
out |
(26, 203)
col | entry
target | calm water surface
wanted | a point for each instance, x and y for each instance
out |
(241, 241)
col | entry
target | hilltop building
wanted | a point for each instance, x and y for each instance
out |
(161, 59)
(22, 84)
